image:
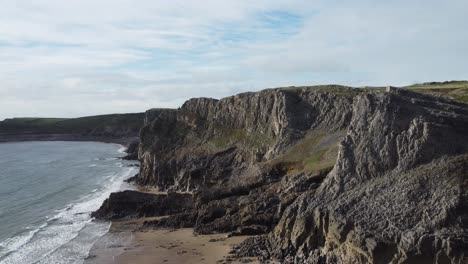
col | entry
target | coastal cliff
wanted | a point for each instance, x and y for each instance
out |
(397, 193)
(326, 174)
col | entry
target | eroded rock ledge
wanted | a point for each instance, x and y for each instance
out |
(327, 174)
(134, 204)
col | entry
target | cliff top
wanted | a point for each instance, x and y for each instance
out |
(455, 90)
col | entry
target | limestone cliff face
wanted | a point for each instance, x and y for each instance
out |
(207, 141)
(397, 193)
(332, 175)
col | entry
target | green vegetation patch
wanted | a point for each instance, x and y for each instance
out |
(322, 159)
(455, 90)
(439, 85)
(460, 95)
(317, 151)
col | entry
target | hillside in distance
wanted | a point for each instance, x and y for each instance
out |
(119, 128)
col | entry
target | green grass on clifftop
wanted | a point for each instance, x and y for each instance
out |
(455, 90)
(339, 90)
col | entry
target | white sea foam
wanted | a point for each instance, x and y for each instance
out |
(67, 236)
(14, 243)
(122, 149)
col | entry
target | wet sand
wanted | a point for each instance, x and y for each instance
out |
(124, 246)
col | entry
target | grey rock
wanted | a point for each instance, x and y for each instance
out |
(397, 193)
(133, 204)
(331, 174)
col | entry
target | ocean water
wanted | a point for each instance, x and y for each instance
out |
(47, 192)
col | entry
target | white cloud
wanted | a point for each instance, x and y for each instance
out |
(74, 58)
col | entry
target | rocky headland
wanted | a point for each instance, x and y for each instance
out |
(325, 174)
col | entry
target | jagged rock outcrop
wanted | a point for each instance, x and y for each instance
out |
(132, 150)
(213, 137)
(133, 204)
(232, 152)
(397, 193)
(330, 174)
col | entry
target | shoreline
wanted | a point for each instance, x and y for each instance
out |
(66, 228)
(124, 185)
(127, 242)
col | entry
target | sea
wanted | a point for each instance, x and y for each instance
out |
(47, 192)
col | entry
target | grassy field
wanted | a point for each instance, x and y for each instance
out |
(439, 85)
(455, 90)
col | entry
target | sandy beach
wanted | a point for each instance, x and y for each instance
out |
(126, 244)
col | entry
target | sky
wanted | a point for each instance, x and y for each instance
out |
(77, 58)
